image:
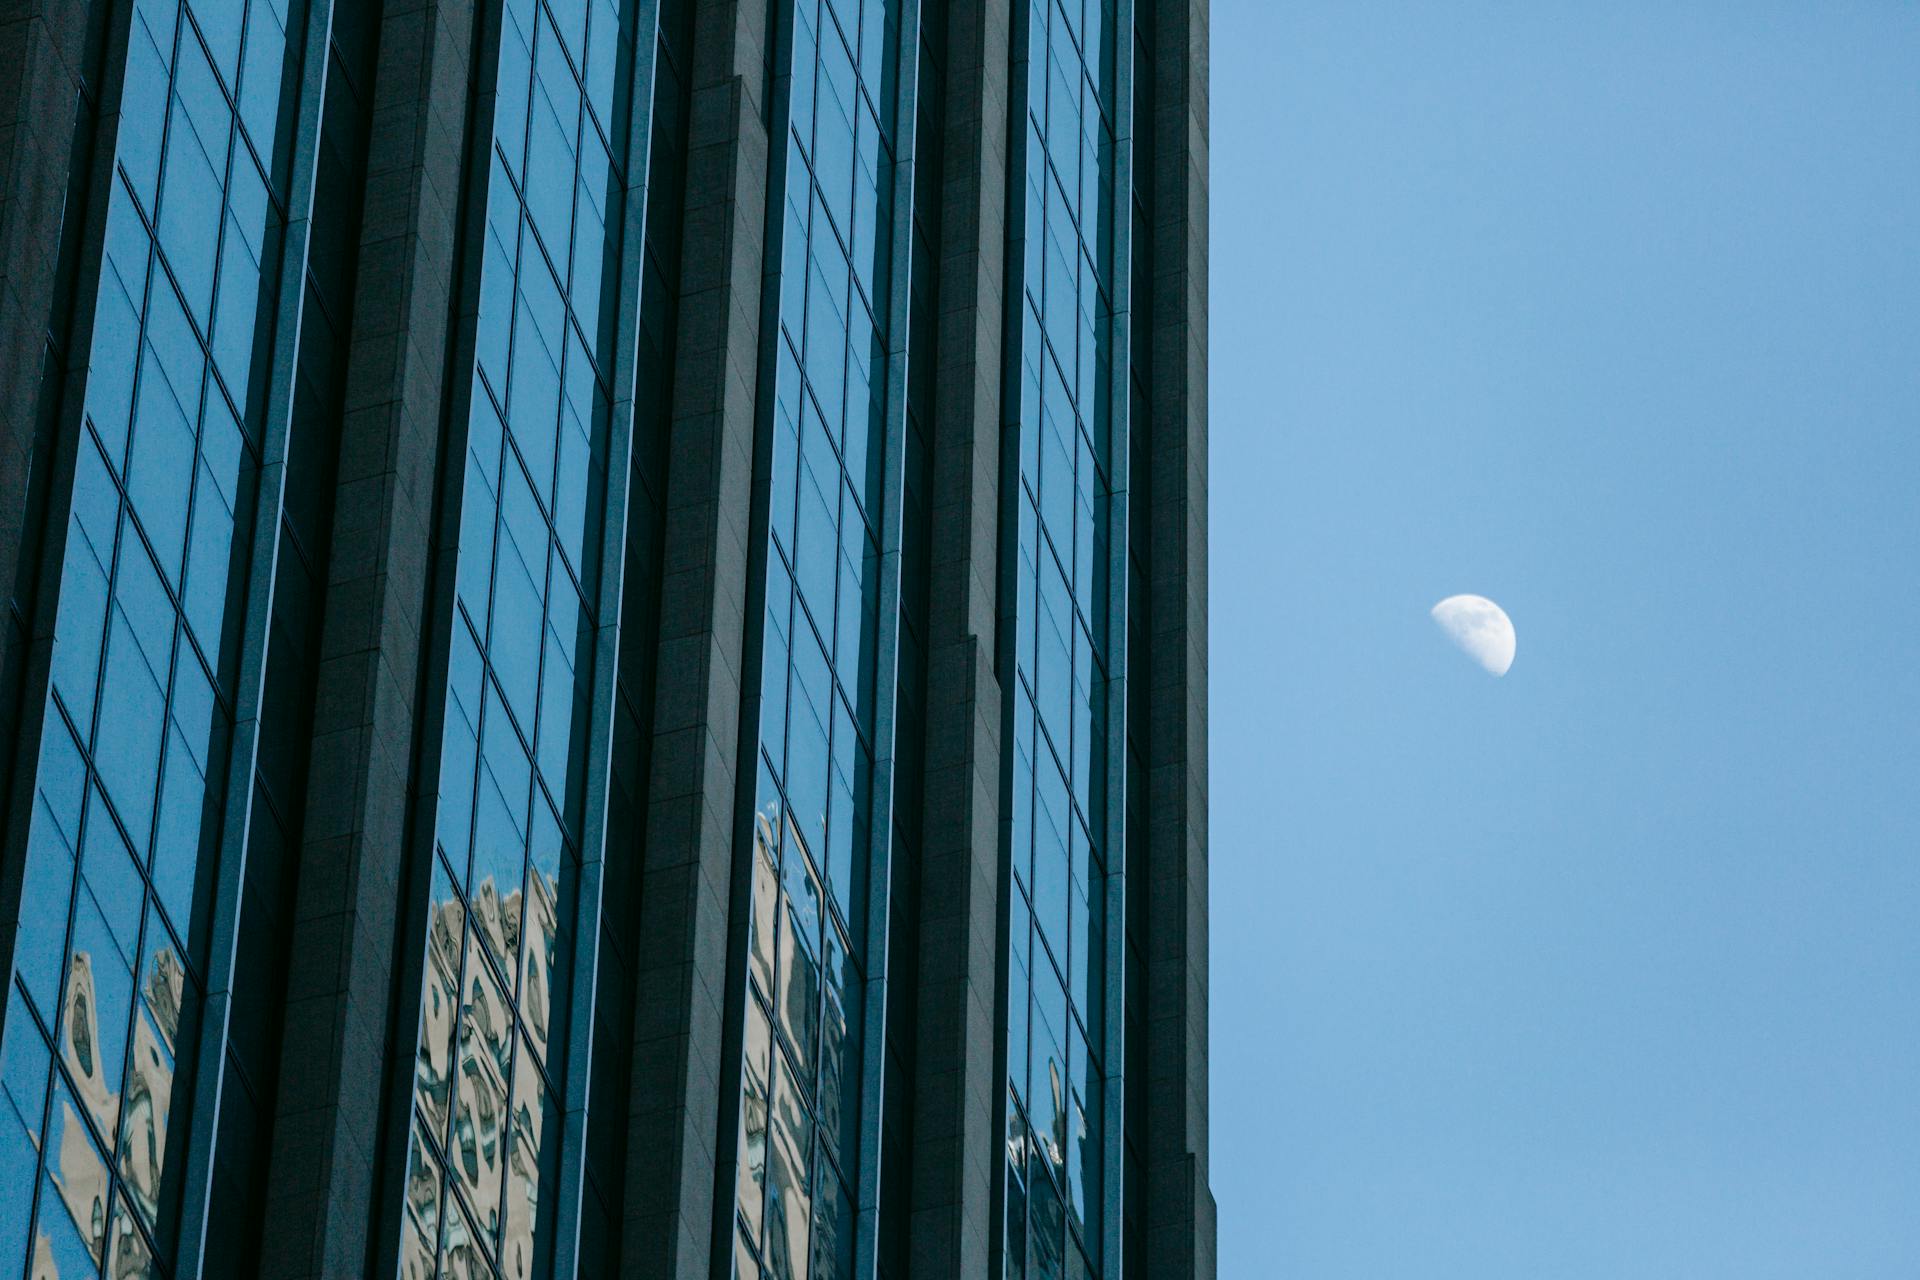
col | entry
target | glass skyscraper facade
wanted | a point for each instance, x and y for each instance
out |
(604, 652)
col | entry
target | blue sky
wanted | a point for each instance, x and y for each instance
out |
(1610, 312)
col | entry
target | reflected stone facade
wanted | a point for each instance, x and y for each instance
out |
(603, 671)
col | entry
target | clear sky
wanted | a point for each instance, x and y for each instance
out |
(1610, 968)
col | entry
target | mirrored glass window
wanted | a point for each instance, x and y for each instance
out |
(1068, 434)
(111, 966)
(481, 1190)
(814, 808)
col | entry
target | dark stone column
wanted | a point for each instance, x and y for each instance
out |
(42, 46)
(328, 1155)
(687, 868)
(1179, 1201)
(958, 1080)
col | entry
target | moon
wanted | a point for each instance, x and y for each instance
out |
(1481, 628)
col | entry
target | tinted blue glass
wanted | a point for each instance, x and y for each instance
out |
(127, 751)
(520, 574)
(40, 943)
(526, 575)
(605, 41)
(816, 670)
(124, 584)
(800, 996)
(80, 629)
(220, 27)
(237, 315)
(265, 58)
(99, 1004)
(191, 193)
(24, 1063)
(116, 348)
(160, 467)
(209, 553)
(510, 106)
(576, 523)
(72, 1217)
(1058, 699)
(535, 397)
(559, 693)
(144, 100)
(178, 833)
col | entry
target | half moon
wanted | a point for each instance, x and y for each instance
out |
(1481, 628)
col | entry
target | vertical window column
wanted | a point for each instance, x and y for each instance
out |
(490, 1078)
(1068, 435)
(813, 840)
(112, 962)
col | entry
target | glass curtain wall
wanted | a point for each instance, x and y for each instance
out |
(800, 1119)
(111, 961)
(481, 1183)
(1068, 434)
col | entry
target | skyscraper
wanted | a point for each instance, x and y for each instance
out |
(605, 663)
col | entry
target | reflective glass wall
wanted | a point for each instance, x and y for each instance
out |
(1068, 434)
(801, 1096)
(111, 961)
(490, 1072)
(199, 612)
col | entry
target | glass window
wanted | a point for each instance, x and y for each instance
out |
(266, 52)
(40, 943)
(123, 586)
(79, 629)
(800, 964)
(129, 755)
(180, 832)
(534, 1134)
(527, 579)
(756, 1064)
(24, 1061)
(72, 1217)
(191, 191)
(789, 1194)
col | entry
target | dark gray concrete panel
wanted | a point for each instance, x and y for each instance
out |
(341, 989)
(957, 1087)
(1179, 1201)
(681, 968)
(42, 46)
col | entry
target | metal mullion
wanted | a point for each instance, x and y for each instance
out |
(208, 1052)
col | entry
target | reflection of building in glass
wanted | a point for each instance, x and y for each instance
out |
(76, 1173)
(603, 646)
